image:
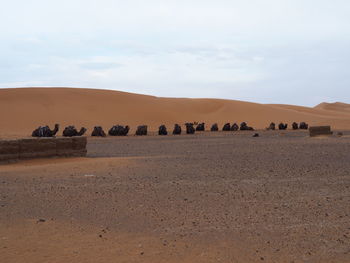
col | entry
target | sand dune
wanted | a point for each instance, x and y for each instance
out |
(337, 106)
(23, 109)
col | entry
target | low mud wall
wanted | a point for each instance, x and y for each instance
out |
(31, 148)
(320, 130)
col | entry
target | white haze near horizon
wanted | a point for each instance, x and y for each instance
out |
(271, 51)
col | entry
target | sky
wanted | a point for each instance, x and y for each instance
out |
(270, 51)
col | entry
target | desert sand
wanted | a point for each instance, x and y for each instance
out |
(24, 109)
(208, 197)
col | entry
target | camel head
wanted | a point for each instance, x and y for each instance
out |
(82, 131)
(55, 130)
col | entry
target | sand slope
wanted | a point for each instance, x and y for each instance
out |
(337, 106)
(23, 109)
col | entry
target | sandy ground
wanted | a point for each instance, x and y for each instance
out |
(23, 110)
(211, 197)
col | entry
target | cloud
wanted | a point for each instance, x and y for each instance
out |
(265, 51)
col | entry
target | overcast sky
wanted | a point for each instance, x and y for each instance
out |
(268, 51)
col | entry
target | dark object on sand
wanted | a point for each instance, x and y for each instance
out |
(98, 132)
(234, 127)
(282, 126)
(320, 130)
(44, 131)
(303, 126)
(71, 131)
(162, 130)
(272, 126)
(256, 135)
(295, 126)
(200, 127)
(141, 130)
(119, 130)
(177, 129)
(244, 127)
(214, 127)
(227, 127)
(189, 128)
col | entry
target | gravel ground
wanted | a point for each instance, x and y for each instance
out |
(209, 197)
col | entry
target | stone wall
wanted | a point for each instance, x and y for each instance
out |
(320, 130)
(30, 148)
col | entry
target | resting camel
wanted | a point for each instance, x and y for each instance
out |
(282, 126)
(162, 130)
(295, 126)
(303, 126)
(98, 132)
(189, 128)
(71, 131)
(227, 127)
(44, 131)
(200, 127)
(214, 127)
(272, 126)
(141, 130)
(119, 130)
(244, 127)
(234, 127)
(177, 129)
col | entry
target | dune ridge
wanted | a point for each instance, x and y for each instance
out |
(23, 109)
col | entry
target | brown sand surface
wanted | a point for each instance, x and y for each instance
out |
(24, 109)
(337, 106)
(209, 197)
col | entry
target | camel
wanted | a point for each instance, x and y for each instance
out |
(162, 130)
(227, 127)
(234, 127)
(295, 126)
(98, 132)
(141, 130)
(214, 127)
(272, 126)
(200, 127)
(71, 131)
(119, 130)
(189, 128)
(177, 129)
(303, 126)
(282, 126)
(44, 131)
(244, 127)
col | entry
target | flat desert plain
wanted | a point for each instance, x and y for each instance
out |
(208, 197)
